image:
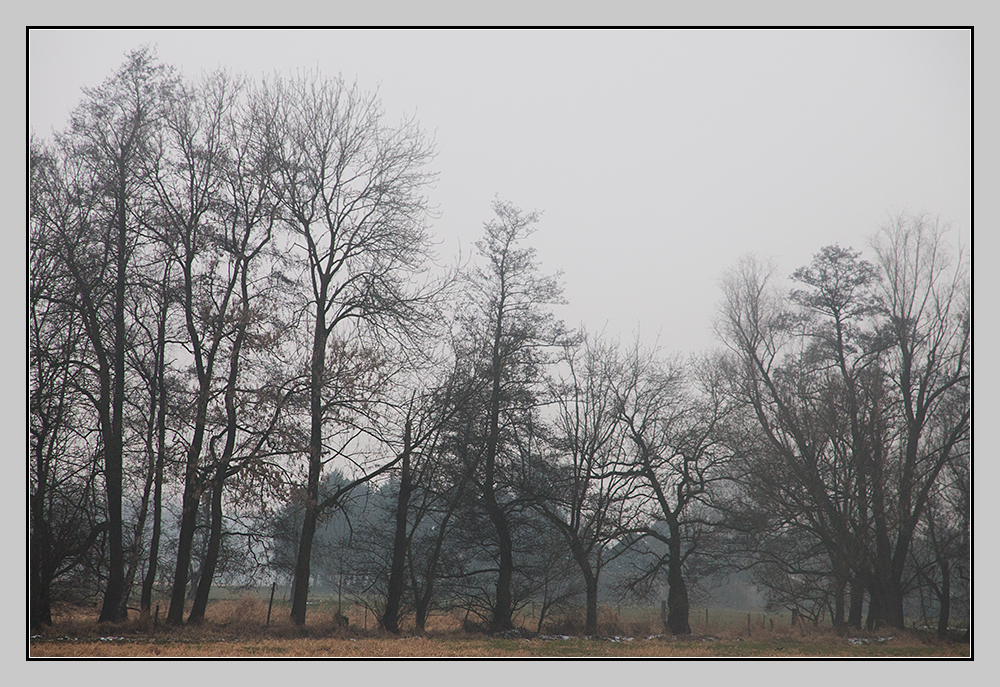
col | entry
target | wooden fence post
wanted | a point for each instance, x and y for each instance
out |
(663, 613)
(271, 602)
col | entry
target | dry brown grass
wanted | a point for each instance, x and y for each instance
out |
(236, 628)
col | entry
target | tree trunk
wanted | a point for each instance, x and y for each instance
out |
(677, 597)
(146, 598)
(40, 609)
(589, 580)
(502, 607)
(140, 528)
(856, 612)
(838, 604)
(300, 589)
(197, 615)
(185, 543)
(394, 596)
(423, 597)
(113, 608)
(317, 369)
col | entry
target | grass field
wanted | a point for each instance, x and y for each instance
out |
(236, 628)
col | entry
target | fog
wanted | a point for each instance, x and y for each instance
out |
(658, 157)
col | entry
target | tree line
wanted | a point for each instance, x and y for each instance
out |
(239, 336)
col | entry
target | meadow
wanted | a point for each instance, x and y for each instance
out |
(239, 628)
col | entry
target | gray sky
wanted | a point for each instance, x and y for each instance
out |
(657, 157)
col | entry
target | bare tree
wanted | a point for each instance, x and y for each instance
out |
(109, 141)
(423, 421)
(584, 505)
(927, 300)
(247, 218)
(350, 189)
(188, 181)
(674, 461)
(63, 514)
(511, 326)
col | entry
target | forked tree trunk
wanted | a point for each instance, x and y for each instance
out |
(197, 615)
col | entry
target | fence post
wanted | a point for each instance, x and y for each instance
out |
(748, 624)
(270, 603)
(663, 612)
(706, 616)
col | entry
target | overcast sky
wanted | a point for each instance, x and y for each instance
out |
(657, 157)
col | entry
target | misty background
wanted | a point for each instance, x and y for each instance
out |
(657, 157)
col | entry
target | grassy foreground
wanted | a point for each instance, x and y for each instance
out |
(237, 629)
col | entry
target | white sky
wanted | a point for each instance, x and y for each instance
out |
(658, 157)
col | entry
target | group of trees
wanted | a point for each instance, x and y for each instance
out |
(243, 361)
(855, 478)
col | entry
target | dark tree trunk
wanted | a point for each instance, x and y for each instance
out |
(838, 605)
(394, 596)
(140, 526)
(40, 610)
(589, 580)
(302, 563)
(856, 612)
(423, 596)
(502, 608)
(40, 605)
(197, 615)
(113, 608)
(300, 585)
(41, 602)
(146, 601)
(677, 596)
(893, 605)
(146, 598)
(185, 543)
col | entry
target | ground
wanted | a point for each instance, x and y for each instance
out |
(239, 628)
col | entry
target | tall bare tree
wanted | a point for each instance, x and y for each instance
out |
(812, 385)
(350, 187)
(675, 460)
(64, 519)
(110, 139)
(927, 300)
(188, 182)
(586, 506)
(512, 324)
(247, 217)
